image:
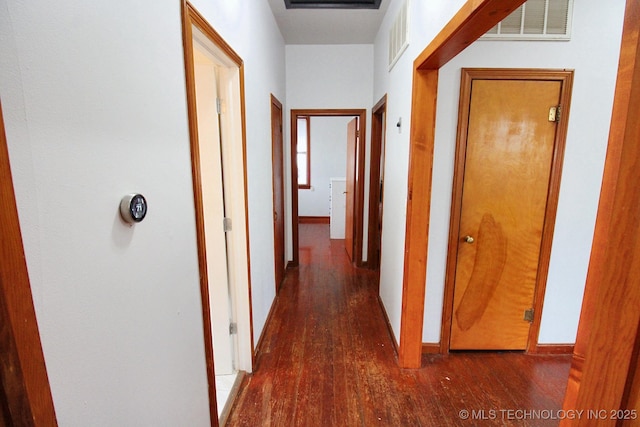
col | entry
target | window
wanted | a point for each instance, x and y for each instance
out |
(304, 153)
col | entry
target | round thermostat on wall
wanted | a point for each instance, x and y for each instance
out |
(133, 208)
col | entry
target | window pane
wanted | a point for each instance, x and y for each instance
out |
(302, 169)
(302, 135)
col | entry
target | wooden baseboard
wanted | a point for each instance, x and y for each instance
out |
(431, 348)
(313, 220)
(389, 328)
(554, 349)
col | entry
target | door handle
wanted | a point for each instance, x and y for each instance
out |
(468, 239)
(275, 216)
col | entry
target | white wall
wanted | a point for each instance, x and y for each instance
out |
(95, 107)
(593, 55)
(426, 20)
(328, 76)
(328, 160)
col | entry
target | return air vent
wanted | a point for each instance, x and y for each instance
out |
(399, 35)
(535, 20)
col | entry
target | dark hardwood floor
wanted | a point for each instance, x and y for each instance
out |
(327, 359)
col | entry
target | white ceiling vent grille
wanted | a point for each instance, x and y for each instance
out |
(535, 20)
(399, 35)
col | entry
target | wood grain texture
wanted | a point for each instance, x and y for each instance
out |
(350, 197)
(508, 162)
(327, 359)
(423, 123)
(473, 20)
(25, 391)
(469, 76)
(608, 333)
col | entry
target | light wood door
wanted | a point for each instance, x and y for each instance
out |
(278, 190)
(352, 143)
(507, 168)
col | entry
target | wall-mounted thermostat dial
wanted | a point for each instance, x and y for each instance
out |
(133, 208)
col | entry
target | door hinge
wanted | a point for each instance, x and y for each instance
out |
(233, 328)
(218, 105)
(528, 315)
(226, 223)
(555, 113)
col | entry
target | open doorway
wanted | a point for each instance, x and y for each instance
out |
(355, 158)
(214, 76)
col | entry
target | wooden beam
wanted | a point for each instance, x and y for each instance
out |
(473, 20)
(606, 356)
(25, 385)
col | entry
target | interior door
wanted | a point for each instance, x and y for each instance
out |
(213, 200)
(509, 154)
(278, 189)
(352, 143)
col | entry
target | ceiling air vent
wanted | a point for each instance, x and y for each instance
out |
(399, 35)
(535, 20)
(332, 4)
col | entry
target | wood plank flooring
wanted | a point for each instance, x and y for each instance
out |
(327, 359)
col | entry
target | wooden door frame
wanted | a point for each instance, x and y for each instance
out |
(275, 102)
(191, 17)
(474, 18)
(468, 75)
(360, 154)
(376, 170)
(25, 392)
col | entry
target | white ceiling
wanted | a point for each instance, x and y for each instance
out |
(328, 26)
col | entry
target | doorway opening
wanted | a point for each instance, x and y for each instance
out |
(215, 101)
(355, 178)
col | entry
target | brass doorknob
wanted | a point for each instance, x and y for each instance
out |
(469, 239)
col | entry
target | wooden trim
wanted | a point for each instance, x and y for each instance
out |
(553, 349)
(278, 150)
(314, 220)
(608, 338)
(191, 17)
(290, 265)
(360, 158)
(376, 173)
(475, 18)
(468, 75)
(431, 348)
(24, 386)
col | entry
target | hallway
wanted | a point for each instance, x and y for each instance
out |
(327, 359)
